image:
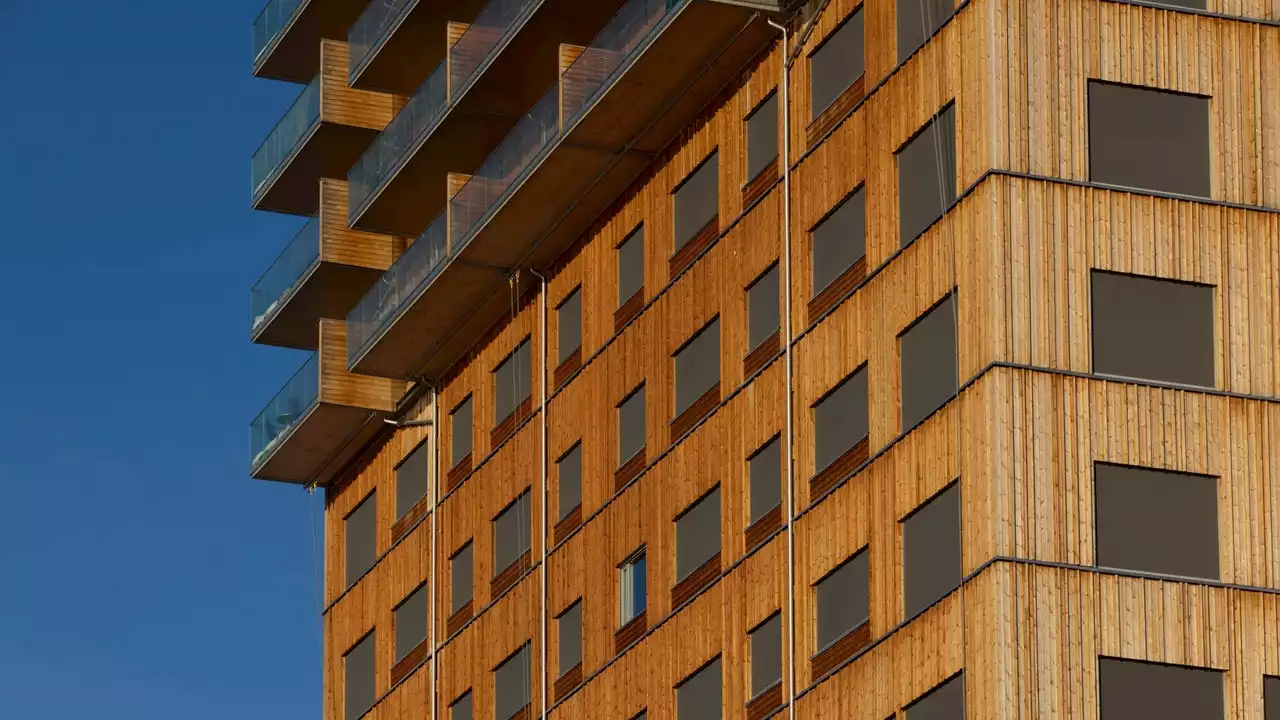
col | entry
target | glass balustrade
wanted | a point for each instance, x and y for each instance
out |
(284, 411)
(414, 268)
(280, 280)
(372, 28)
(273, 18)
(284, 138)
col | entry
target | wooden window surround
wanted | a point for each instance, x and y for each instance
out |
(411, 660)
(842, 649)
(836, 111)
(761, 356)
(763, 527)
(762, 706)
(695, 581)
(507, 428)
(628, 310)
(837, 290)
(410, 519)
(460, 470)
(458, 619)
(685, 256)
(508, 577)
(631, 632)
(567, 525)
(568, 682)
(697, 410)
(760, 184)
(628, 470)
(839, 469)
(567, 368)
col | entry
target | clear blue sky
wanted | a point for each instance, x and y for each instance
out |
(143, 574)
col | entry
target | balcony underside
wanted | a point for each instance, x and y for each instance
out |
(329, 290)
(320, 443)
(292, 54)
(411, 49)
(666, 86)
(329, 152)
(516, 77)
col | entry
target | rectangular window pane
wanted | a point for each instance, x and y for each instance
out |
(929, 366)
(461, 708)
(358, 668)
(698, 534)
(569, 322)
(411, 621)
(697, 200)
(1154, 329)
(569, 472)
(632, 599)
(840, 420)
(362, 543)
(836, 64)
(763, 313)
(918, 20)
(844, 599)
(931, 551)
(460, 424)
(570, 626)
(698, 366)
(1271, 697)
(411, 479)
(512, 533)
(1132, 689)
(631, 426)
(631, 265)
(511, 685)
(765, 468)
(766, 655)
(945, 702)
(839, 240)
(699, 696)
(460, 570)
(762, 136)
(512, 381)
(926, 174)
(1149, 139)
(1156, 521)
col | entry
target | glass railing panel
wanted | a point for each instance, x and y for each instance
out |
(284, 411)
(281, 279)
(270, 22)
(493, 24)
(297, 122)
(413, 121)
(372, 28)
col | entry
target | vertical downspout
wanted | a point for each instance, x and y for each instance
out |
(542, 465)
(431, 571)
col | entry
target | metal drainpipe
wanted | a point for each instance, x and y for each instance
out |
(431, 571)
(542, 462)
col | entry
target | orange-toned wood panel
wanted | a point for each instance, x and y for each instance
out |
(340, 387)
(343, 105)
(345, 245)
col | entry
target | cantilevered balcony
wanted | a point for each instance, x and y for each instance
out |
(321, 416)
(322, 273)
(495, 68)
(617, 103)
(286, 33)
(320, 135)
(396, 43)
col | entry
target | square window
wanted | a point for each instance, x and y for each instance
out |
(945, 702)
(844, 599)
(926, 174)
(631, 265)
(362, 545)
(511, 685)
(411, 621)
(762, 136)
(1156, 521)
(569, 625)
(929, 366)
(632, 597)
(512, 381)
(918, 20)
(763, 308)
(1133, 689)
(512, 533)
(1149, 139)
(460, 424)
(697, 200)
(1153, 329)
(460, 570)
(840, 419)
(461, 708)
(765, 469)
(411, 479)
(569, 324)
(766, 655)
(838, 241)
(631, 425)
(931, 551)
(698, 534)
(698, 365)
(357, 666)
(699, 696)
(836, 64)
(569, 472)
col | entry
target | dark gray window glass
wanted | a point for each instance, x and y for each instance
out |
(570, 626)
(1149, 139)
(929, 367)
(698, 534)
(1156, 521)
(931, 551)
(411, 479)
(765, 468)
(569, 470)
(460, 569)
(835, 65)
(460, 424)
(699, 696)
(631, 425)
(362, 542)
(1133, 689)
(766, 655)
(698, 366)
(697, 200)
(926, 174)
(511, 685)
(762, 136)
(1271, 698)
(918, 20)
(358, 668)
(411, 621)
(1153, 329)
(512, 533)
(844, 599)
(763, 313)
(945, 702)
(569, 322)
(840, 420)
(631, 265)
(839, 240)
(512, 381)
(461, 708)
(631, 583)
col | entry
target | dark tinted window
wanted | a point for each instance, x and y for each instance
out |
(839, 240)
(929, 372)
(835, 65)
(632, 598)
(631, 425)
(918, 20)
(697, 200)
(762, 136)
(460, 424)
(840, 419)
(698, 534)
(362, 545)
(926, 174)
(1156, 521)
(460, 569)
(945, 702)
(570, 626)
(844, 599)
(512, 381)
(699, 696)
(569, 470)
(1153, 329)
(1271, 697)
(461, 708)
(1132, 689)
(766, 655)
(511, 685)
(512, 532)
(569, 322)
(698, 366)
(358, 668)
(931, 551)
(411, 621)
(631, 265)
(763, 315)
(765, 468)
(411, 479)
(1149, 139)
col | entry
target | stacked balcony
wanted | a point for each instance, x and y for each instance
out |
(287, 32)
(395, 43)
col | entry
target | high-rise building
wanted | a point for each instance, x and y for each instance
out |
(746, 358)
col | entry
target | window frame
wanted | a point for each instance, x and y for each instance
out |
(627, 577)
(397, 655)
(771, 96)
(423, 445)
